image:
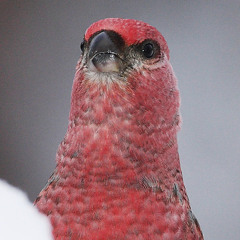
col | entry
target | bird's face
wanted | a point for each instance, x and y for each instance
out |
(126, 63)
(113, 51)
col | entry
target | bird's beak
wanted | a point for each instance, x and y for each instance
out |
(105, 50)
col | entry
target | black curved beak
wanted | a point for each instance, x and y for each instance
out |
(105, 51)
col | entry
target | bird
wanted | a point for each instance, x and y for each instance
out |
(118, 173)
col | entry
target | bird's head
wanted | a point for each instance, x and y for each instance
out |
(125, 63)
(113, 48)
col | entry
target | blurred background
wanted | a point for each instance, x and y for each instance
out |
(39, 50)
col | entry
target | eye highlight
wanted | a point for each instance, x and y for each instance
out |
(148, 50)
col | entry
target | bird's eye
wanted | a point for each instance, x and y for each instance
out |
(82, 46)
(148, 50)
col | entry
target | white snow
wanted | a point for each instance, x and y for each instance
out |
(19, 219)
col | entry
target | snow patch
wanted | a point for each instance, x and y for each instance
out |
(19, 219)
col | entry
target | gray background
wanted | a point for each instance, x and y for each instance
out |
(39, 50)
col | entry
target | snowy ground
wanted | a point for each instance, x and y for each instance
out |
(19, 219)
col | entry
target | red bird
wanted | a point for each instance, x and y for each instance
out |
(118, 174)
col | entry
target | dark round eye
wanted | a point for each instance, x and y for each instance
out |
(82, 46)
(148, 50)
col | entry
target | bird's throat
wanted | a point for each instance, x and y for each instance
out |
(111, 145)
(120, 134)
